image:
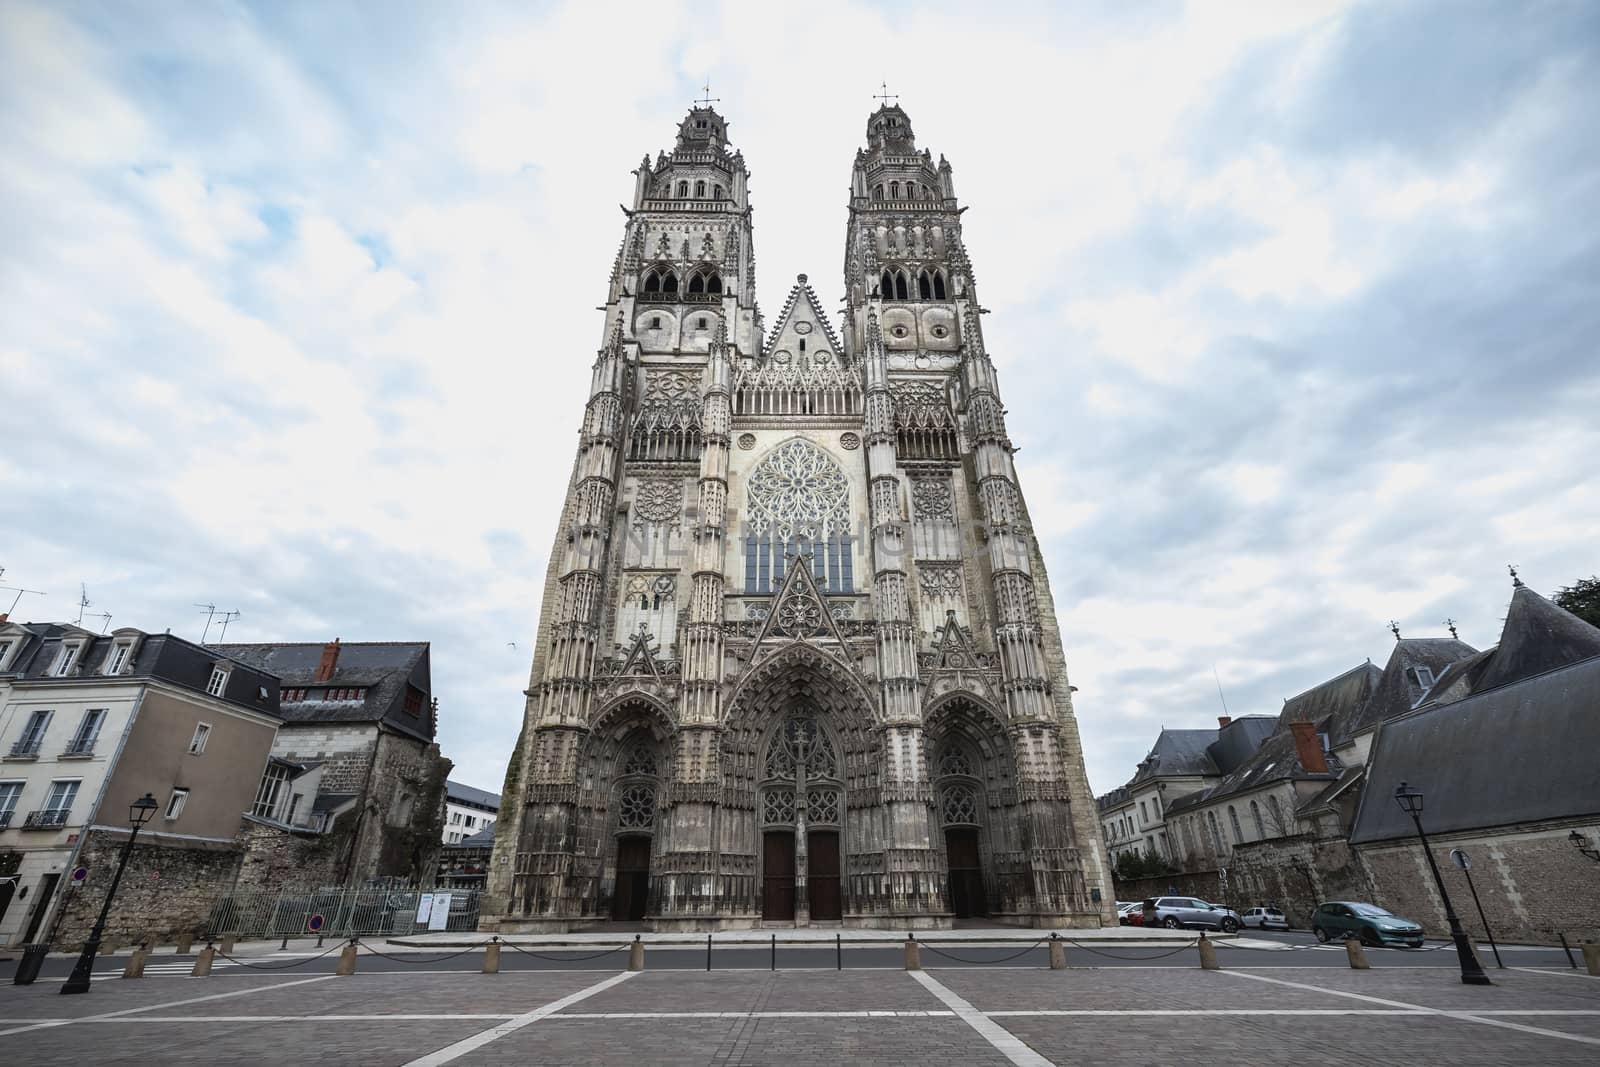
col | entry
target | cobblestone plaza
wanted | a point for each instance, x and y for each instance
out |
(1164, 1013)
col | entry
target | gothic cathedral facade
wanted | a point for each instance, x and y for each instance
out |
(797, 661)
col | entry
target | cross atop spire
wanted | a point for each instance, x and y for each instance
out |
(885, 96)
(708, 99)
(1394, 626)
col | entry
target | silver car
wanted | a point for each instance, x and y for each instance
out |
(1176, 912)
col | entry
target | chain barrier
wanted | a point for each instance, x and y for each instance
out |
(1003, 959)
(567, 959)
(431, 959)
(278, 966)
(1117, 956)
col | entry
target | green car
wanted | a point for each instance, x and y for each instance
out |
(1338, 919)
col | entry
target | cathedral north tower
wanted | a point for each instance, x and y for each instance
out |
(796, 661)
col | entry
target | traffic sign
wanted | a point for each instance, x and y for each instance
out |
(314, 924)
(80, 874)
(1459, 858)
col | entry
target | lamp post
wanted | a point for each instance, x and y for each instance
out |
(139, 813)
(1581, 843)
(1410, 801)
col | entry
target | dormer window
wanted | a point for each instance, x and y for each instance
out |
(67, 659)
(217, 682)
(1423, 675)
(5, 651)
(117, 657)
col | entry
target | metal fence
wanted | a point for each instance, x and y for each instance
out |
(343, 912)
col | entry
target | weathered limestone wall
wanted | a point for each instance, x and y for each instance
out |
(1532, 882)
(166, 889)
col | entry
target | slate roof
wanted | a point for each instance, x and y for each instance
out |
(383, 668)
(482, 839)
(466, 794)
(1337, 698)
(1398, 690)
(1178, 753)
(1538, 636)
(1522, 752)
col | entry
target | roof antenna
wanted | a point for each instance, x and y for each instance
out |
(1396, 628)
(83, 602)
(21, 592)
(1450, 624)
(1224, 699)
(227, 617)
(104, 617)
(1516, 583)
(211, 611)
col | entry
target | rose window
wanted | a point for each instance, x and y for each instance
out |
(636, 808)
(798, 490)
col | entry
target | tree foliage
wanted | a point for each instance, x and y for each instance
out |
(1582, 598)
(1146, 864)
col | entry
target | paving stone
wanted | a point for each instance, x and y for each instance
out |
(371, 1044)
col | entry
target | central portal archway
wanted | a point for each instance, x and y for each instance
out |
(800, 762)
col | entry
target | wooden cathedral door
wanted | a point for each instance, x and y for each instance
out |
(966, 872)
(822, 874)
(632, 893)
(777, 869)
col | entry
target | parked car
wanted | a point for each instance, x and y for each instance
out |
(1372, 924)
(1266, 919)
(1125, 908)
(1175, 912)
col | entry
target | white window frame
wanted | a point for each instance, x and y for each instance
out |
(81, 735)
(6, 646)
(268, 800)
(202, 734)
(72, 797)
(67, 658)
(217, 684)
(176, 803)
(117, 657)
(9, 798)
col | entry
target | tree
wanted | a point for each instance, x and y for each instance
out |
(1582, 598)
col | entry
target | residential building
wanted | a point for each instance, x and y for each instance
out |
(354, 791)
(89, 723)
(467, 811)
(798, 659)
(464, 864)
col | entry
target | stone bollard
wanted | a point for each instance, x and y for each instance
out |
(1356, 954)
(491, 957)
(636, 954)
(202, 962)
(109, 946)
(135, 966)
(1058, 953)
(913, 954)
(1208, 954)
(228, 943)
(185, 943)
(1591, 957)
(347, 960)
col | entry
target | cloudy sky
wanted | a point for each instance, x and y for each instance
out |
(1295, 306)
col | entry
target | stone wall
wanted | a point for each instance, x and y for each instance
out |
(1533, 884)
(166, 889)
(275, 858)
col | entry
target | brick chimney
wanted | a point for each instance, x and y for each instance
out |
(1223, 720)
(1308, 746)
(330, 660)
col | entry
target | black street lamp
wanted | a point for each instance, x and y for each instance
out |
(139, 813)
(1581, 843)
(1410, 801)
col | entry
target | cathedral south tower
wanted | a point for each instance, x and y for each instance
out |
(797, 661)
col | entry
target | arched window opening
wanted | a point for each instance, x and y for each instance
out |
(714, 284)
(798, 503)
(802, 344)
(652, 282)
(886, 286)
(911, 190)
(894, 190)
(924, 286)
(938, 285)
(1278, 822)
(1233, 817)
(1216, 833)
(697, 283)
(1255, 813)
(683, 190)
(669, 282)
(700, 190)
(900, 287)
(716, 192)
(877, 191)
